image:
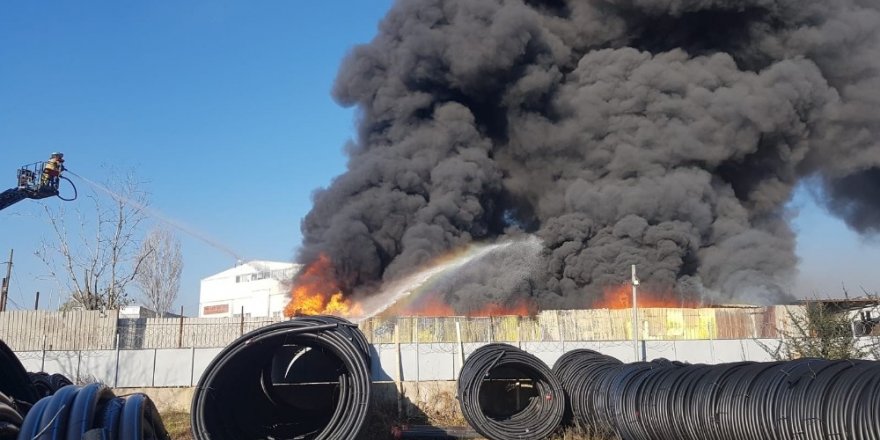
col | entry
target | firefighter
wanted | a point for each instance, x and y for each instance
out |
(52, 169)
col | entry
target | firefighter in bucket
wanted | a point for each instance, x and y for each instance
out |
(52, 169)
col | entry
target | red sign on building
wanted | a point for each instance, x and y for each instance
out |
(215, 309)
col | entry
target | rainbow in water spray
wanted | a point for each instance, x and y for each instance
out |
(417, 289)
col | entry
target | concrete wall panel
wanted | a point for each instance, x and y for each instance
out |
(409, 361)
(384, 358)
(695, 352)
(136, 368)
(437, 361)
(658, 349)
(622, 350)
(31, 360)
(64, 362)
(173, 367)
(760, 350)
(98, 365)
(728, 351)
(201, 358)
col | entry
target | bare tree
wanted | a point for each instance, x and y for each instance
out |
(93, 254)
(160, 269)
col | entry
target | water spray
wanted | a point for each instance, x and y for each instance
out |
(180, 226)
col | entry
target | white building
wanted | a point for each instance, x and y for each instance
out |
(256, 288)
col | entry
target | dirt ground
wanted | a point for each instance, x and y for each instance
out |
(378, 428)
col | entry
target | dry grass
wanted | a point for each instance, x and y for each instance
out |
(442, 411)
(578, 433)
(382, 419)
(177, 424)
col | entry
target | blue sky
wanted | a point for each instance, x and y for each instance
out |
(224, 109)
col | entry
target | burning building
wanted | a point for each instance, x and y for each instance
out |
(667, 134)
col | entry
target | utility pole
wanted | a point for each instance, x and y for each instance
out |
(635, 307)
(4, 289)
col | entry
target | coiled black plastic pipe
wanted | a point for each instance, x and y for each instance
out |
(803, 399)
(308, 378)
(14, 379)
(47, 384)
(10, 418)
(540, 416)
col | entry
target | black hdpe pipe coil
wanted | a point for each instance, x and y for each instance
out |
(47, 384)
(488, 376)
(578, 372)
(93, 412)
(804, 399)
(14, 380)
(10, 418)
(306, 378)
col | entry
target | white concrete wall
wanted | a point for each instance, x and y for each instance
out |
(414, 362)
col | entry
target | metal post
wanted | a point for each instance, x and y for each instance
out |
(519, 332)
(43, 359)
(37, 301)
(460, 344)
(153, 376)
(415, 325)
(241, 326)
(635, 317)
(116, 369)
(180, 331)
(399, 376)
(78, 363)
(489, 331)
(4, 289)
(711, 341)
(192, 366)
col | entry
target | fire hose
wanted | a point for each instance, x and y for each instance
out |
(802, 399)
(308, 377)
(538, 418)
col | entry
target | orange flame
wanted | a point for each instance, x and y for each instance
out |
(316, 292)
(620, 297)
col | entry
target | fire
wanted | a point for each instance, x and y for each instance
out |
(316, 292)
(434, 306)
(620, 297)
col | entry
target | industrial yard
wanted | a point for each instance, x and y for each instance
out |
(440, 219)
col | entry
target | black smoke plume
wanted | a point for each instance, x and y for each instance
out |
(664, 133)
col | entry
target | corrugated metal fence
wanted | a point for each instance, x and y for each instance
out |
(92, 330)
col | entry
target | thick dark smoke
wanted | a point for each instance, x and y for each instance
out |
(664, 133)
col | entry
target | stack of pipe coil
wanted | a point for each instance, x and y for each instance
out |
(93, 412)
(537, 418)
(47, 384)
(802, 399)
(308, 378)
(47, 407)
(17, 393)
(583, 374)
(10, 418)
